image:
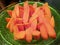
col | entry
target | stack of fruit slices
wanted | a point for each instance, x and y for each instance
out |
(29, 21)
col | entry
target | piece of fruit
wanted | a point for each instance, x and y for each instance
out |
(50, 30)
(31, 10)
(36, 34)
(35, 15)
(26, 12)
(7, 19)
(43, 32)
(52, 22)
(9, 12)
(21, 11)
(20, 27)
(28, 35)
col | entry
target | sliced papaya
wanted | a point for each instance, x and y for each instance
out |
(26, 12)
(13, 14)
(9, 12)
(43, 32)
(19, 35)
(35, 15)
(27, 25)
(17, 11)
(31, 10)
(50, 30)
(52, 22)
(8, 25)
(11, 26)
(28, 35)
(21, 9)
(41, 17)
(36, 34)
(18, 21)
(47, 10)
(7, 19)
(34, 24)
(20, 27)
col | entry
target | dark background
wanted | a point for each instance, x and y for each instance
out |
(53, 3)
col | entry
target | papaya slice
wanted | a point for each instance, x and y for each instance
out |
(26, 12)
(31, 10)
(21, 11)
(16, 9)
(28, 35)
(7, 19)
(50, 30)
(20, 27)
(9, 12)
(18, 21)
(43, 32)
(34, 24)
(52, 22)
(36, 34)
(47, 10)
(20, 35)
(35, 15)
(27, 25)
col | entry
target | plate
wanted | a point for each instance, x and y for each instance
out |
(6, 37)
